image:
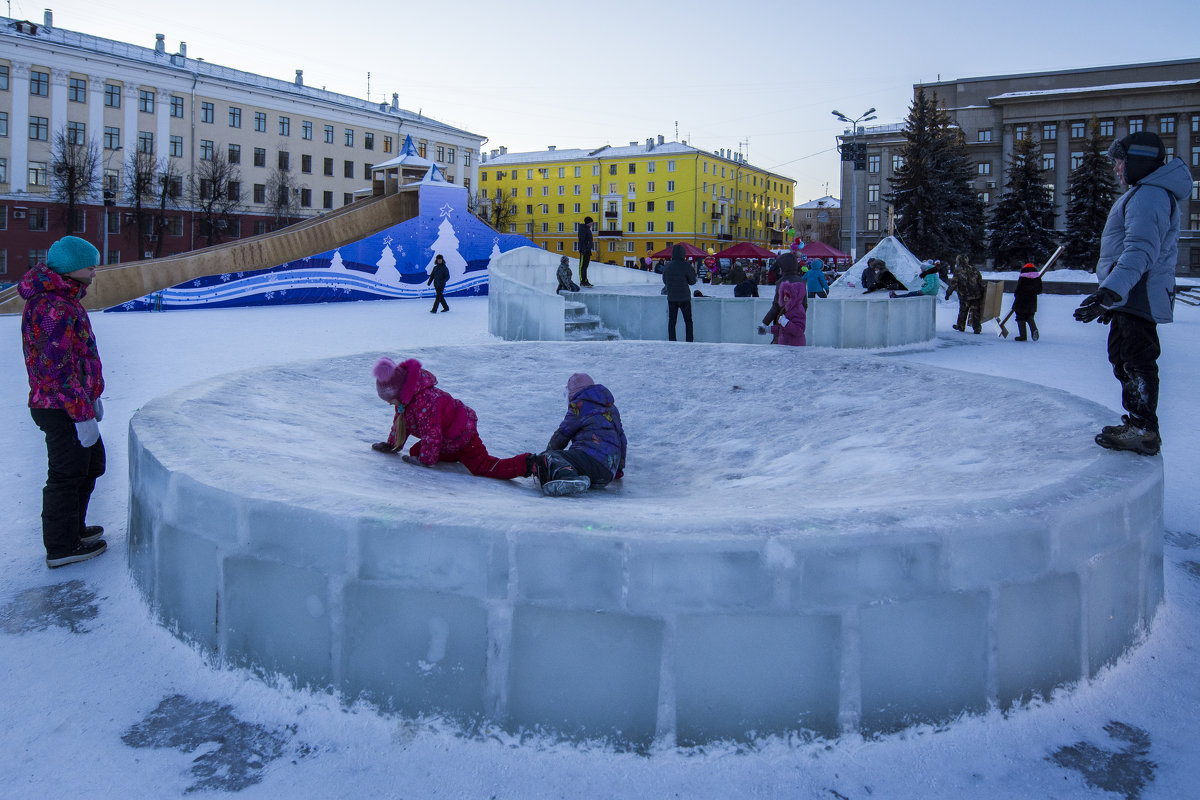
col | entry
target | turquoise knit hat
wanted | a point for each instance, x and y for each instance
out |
(71, 253)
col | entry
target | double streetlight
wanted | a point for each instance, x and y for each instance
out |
(866, 116)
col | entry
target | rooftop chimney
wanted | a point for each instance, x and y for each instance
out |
(633, 144)
(660, 139)
(395, 101)
(650, 143)
(299, 77)
(495, 153)
(48, 20)
(159, 45)
(183, 49)
(503, 150)
(550, 148)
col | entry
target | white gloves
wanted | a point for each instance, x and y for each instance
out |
(98, 408)
(88, 432)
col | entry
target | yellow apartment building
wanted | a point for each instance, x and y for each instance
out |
(641, 198)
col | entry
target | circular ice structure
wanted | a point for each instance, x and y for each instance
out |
(804, 541)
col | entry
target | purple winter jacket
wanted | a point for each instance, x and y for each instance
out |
(593, 425)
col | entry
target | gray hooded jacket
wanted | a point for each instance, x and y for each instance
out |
(1140, 243)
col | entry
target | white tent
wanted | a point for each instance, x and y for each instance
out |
(901, 263)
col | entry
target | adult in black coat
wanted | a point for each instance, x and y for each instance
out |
(585, 250)
(438, 277)
(678, 276)
(1029, 286)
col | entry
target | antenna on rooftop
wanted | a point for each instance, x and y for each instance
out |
(368, 86)
(677, 130)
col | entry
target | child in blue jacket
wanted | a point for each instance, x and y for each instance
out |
(588, 449)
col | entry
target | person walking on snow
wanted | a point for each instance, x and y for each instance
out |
(585, 250)
(677, 276)
(445, 428)
(587, 451)
(968, 282)
(65, 384)
(1024, 307)
(438, 277)
(1136, 269)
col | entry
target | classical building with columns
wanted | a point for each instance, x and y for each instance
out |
(319, 145)
(1054, 108)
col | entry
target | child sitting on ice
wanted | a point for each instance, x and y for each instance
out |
(588, 449)
(444, 427)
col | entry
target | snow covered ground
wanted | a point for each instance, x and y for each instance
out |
(100, 702)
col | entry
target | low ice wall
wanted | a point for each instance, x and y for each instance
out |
(701, 597)
(522, 306)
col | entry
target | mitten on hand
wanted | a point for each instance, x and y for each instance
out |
(98, 409)
(1096, 304)
(383, 447)
(88, 432)
(414, 461)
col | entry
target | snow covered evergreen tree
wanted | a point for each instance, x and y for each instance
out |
(1022, 223)
(1091, 192)
(938, 213)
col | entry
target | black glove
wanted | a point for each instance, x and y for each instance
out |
(1096, 304)
(416, 462)
(383, 447)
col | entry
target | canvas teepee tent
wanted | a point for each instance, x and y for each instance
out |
(903, 264)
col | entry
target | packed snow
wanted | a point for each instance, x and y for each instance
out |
(103, 702)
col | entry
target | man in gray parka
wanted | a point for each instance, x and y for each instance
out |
(1136, 270)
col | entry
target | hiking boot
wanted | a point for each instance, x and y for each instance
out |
(82, 552)
(1131, 438)
(565, 487)
(90, 534)
(1109, 430)
(1020, 339)
(959, 328)
(530, 464)
(586, 285)
(1034, 333)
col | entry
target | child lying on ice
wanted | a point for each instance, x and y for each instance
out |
(444, 427)
(588, 449)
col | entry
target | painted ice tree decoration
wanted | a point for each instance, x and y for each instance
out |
(387, 262)
(336, 264)
(446, 244)
(495, 251)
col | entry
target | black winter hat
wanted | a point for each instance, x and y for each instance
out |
(1143, 152)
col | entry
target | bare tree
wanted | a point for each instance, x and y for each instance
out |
(283, 196)
(499, 211)
(168, 183)
(215, 191)
(141, 168)
(75, 163)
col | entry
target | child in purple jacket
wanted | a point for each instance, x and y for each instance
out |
(588, 449)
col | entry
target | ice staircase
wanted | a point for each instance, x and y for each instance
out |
(580, 326)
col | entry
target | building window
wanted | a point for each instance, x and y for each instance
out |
(327, 200)
(260, 121)
(441, 154)
(285, 126)
(306, 130)
(1047, 161)
(388, 144)
(1137, 124)
(207, 149)
(450, 156)
(985, 197)
(235, 154)
(329, 167)
(632, 227)
(177, 107)
(77, 90)
(3, 124)
(349, 137)
(306, 198)
(260, 156)
(873, 193)
(1166, 124)
(146, 101)
(112, 95)
(367, 172)
(1020, 132)
(897, 163)
(208, 112)
(145, 142)
(260, 193)
(284, 161)
(76, 132)
(3, 78)
(112, 138)
(873, 221)
(984, 135)
(39, 128)
(39, 83)
(649, 186)
(632, 207)
(306, 164)
(1078, 129)
(985, 167)
(873, 164)
(348, 169)
(176, 147)
(1049, 131)
(1106, 127)
(670, 205)
(328, 134)
(3, 179)
(670, 186)
(1076, 159)
(1195, 123)
(368, 141)
(38, 176)
(235, 117)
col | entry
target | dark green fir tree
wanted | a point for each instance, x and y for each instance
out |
(1022, 223)
(937, 211)
(1091, 192)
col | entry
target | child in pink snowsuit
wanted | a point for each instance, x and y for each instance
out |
(444, 427)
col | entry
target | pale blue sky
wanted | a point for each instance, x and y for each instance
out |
(761, 76)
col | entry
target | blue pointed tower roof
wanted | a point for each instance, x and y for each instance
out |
(435, 175)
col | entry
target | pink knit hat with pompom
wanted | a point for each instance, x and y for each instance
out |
(389, 379)
(578, 382)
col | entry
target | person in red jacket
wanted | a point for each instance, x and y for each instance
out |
(444, 427)
(65, 384)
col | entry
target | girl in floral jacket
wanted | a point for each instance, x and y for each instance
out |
(444, 427)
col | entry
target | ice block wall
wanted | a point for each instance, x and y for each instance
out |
(702, 597)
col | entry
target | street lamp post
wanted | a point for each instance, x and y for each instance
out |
(858, 162)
